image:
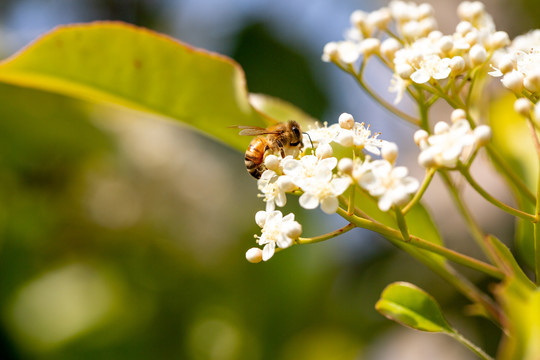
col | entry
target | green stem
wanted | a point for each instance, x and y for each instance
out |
(402, 224)
(423, 109)
(452, 255)
(443, 269)
(475, 349)
(379, 99)
(492, 200)
(330, 235)
(423, 187)
(537, 210)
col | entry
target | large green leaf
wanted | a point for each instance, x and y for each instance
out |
(413, 307)
(135, 67)
(522, 306)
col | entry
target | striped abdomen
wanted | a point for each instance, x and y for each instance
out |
(255, 157)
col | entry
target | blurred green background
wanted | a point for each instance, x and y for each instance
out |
(123, 235)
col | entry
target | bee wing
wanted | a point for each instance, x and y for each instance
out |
(253, 130)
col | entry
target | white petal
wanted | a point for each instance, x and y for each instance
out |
(291, 166)
(339, 185)
(268, 250)
(291, 229)
(442, 73)
(284, 241)
(287, 218)
(329, 205)
(281, 199)
(308, 201)
(329, 163)
(400, 172)
(260, 218)
(410, 184)
(385, 203)
(420, 76)
(273, 218)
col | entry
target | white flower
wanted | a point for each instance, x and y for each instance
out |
(324, 189)
(277, 230)
(273, 188)
(448, 145)
(347, 52)
(390, 184)
(431, 66)
(309, 167)
(526, 41)
(322, 134)
(360, 137)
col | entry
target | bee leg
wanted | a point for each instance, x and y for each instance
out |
(281, 148)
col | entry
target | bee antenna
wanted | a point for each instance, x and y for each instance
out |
(309, 137)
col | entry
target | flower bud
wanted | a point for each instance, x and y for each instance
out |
(424, 10)
(506, 64)
(441, 127)
(426, 159)
(389, 152)
(346, 121)
(478, 55)
(427, 25)
(513, 81)
(458, 114)
(464, 27)
(499, 39)
(370, 46)
(358, 18)
(532, 81)
(272, 162)
(404, 70)
(446, 44)
(457, 65)
(523, 107)
(482, 135)
(254, 255)
(412, 30)
(420, 137)
(389, 48)
(324, 151)
(345, 165)
(330, 52)
(380, 18)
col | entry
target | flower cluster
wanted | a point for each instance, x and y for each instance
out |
(519, 66)
(450, 144)
(320, 179)
(416, 51)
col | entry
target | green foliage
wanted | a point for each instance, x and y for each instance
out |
(521, 304)
(135, 67)
(511, 139)
(412, 307)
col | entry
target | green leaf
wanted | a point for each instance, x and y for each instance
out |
(411, 306)
(135, 67)
(512, 141)
(506, 262)
(521, 305)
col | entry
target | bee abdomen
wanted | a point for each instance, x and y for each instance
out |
(254, 159)
(255, 169)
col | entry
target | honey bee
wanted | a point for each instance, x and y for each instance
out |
(279, 139)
